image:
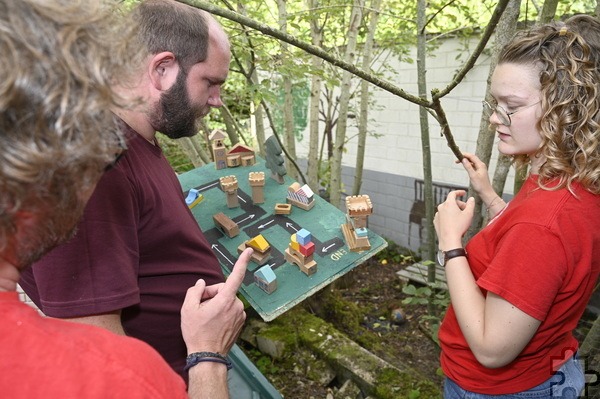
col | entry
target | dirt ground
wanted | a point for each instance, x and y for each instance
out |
(361, 306)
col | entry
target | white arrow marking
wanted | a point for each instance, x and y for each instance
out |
(209, 186)
(249, 217)
(291, 226)
(262, 226)
(216, 247)
(326, 248)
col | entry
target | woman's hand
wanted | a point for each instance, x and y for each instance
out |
(453, 219)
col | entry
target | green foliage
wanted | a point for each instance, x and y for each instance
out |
(264, 363)
(174, 154)
(435, 298)
(394, 253)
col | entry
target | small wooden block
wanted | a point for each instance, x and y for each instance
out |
(351, 240)
(227, 225)
(283, 209)
(308, 268)
(307, 249)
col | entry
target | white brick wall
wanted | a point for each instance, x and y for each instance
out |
(398, 151)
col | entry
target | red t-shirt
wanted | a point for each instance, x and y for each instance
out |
(138, 248)
(49, 358)
(542, 254)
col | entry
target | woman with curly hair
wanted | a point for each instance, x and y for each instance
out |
(522, 283)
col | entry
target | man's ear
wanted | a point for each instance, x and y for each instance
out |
(163, 69)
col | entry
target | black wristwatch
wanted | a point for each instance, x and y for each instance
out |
(445, 256)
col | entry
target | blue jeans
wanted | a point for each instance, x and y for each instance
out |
(567, 383)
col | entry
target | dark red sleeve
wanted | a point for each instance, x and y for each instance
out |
(81, 277)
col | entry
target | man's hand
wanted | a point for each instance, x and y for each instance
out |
(212, 317)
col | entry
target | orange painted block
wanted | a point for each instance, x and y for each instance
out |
(307, 249)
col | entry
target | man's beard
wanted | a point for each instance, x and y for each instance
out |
(174, 115)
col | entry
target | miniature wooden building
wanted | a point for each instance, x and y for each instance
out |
(226, 225)
(257, 182)
(262, 249)
(240, 154)
(218, 148)
(229, 185)
(358, 209)
(300, 252)
(193, 198)
(266, 279)
(302, 197)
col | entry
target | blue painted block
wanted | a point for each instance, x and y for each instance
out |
(303, 237)
(361, 232)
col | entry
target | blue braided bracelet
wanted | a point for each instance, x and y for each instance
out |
(197, 357)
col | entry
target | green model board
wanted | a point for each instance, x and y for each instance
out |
(333, 257)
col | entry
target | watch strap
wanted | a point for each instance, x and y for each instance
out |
(454, 253)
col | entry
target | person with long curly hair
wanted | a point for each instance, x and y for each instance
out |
(60, 62)
(520, 286)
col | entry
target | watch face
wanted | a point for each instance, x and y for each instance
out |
(440, 257)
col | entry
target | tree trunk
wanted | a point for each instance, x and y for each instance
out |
(425, 143)
(548, 11)
(316, 32)
(485, 141)
(363, 119)
(258, 115)
(340, 132)
(288, 98)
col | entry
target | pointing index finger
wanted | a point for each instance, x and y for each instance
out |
(236, 277)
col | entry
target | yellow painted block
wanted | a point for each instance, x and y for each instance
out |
(259, 243)
(294, 242)
(196, 201)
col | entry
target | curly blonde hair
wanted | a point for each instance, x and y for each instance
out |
(59, 61)
(567, 54)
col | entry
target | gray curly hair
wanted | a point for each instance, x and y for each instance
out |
(57, 132)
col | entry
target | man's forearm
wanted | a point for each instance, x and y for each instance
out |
(208, 381)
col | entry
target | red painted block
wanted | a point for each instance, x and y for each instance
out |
(308, 249)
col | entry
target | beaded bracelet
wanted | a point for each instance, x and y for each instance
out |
(489, 208)
(198, 357)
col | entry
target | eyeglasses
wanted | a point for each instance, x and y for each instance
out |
(503, 114)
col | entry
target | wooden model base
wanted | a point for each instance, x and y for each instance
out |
(257, 257)
(306, 207)
(355, 244)
(307, 268)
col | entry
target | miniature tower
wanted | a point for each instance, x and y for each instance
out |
(229, 185)
(358, 209)
(257, 182)
(300, 252)
(218, 148)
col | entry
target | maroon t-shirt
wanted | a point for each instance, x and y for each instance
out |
(137, 248)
